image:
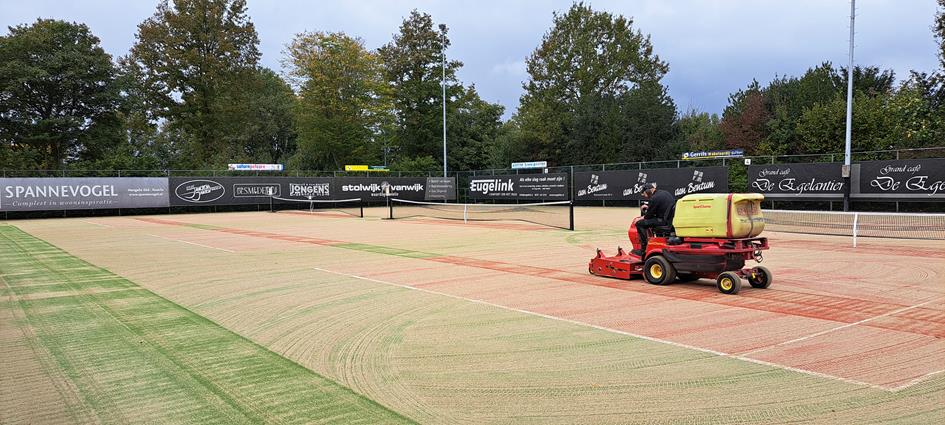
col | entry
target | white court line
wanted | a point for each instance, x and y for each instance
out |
(617, 331)
(97, 224)
(814, 335)
(917, 380)
(192, 243)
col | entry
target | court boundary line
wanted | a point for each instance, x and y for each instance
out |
(917, 380)
(631, 334)
(837, 328)
(192, 243)
(98, 224)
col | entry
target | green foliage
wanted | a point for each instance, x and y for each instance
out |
(647, 124)
(917, 114)
(412, 67)
(259, 110)
(473, 128)
(744, 120)
(821, 129)
(594, 93)
(190, 57)
(344, 102)
(58, 96)
(700, 131)
(506, 147)
(420, 165)
(806, 115)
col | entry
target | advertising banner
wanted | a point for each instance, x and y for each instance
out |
(530, 164)
(799, 181)
(525, 187)
(626, 185)
(255, 167)
(377, 188)
(190, 191)
(728, 153)
(82, 193)
(440, 189)
(909, 179)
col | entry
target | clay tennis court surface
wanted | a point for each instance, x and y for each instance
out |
(442, 322)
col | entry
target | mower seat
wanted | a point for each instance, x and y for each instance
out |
(668, 231)
(664, 231)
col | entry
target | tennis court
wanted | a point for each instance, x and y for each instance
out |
(446, 321)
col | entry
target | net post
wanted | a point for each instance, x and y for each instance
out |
(465, 209)
(571, 213)
(390, 208)
(856, 219)
(270, 204)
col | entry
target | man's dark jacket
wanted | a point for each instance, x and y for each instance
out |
(660, 204)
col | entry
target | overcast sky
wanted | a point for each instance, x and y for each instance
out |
(713, 47)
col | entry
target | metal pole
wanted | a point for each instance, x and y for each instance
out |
(846, 152)
(443, 56)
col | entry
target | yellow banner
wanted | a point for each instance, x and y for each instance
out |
(356, 167)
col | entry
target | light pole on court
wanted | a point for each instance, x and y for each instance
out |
(846, 169)
(443, 83)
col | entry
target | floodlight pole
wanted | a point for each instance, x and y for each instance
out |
(443, 83)
(846, 153)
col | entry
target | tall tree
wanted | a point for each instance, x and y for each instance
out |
(648, 120)
(188, 56)
(343, 101)
(259, 110)
(870, 80)
(588, 61)
(765, 120)
(412, 66)
(745, 118)
(473, 129)
(700, 131)
(919, 104)
(58, 96)
(915, 118)
(821, 128)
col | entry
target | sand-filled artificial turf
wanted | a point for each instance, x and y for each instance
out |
(83, 345)
(446, 323)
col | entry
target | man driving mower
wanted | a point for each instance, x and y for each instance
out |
(659, 213)
(713, 236)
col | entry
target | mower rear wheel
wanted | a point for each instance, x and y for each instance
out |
(658, 270)
(728, 283)
(760, 277)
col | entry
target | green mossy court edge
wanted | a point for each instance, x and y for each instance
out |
(133, 356)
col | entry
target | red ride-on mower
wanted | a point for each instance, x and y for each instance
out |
(711, 237)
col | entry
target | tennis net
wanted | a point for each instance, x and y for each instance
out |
(558, 214)
(858, 224)
(353, 207)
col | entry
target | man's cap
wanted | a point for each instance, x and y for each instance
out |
(648, 186)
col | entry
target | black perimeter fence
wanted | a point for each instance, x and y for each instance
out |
(737, 182)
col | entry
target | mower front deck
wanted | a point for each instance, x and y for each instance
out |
(621, 266)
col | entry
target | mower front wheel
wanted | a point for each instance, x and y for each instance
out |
(728, 283)
(658, 270)
(760, 277)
